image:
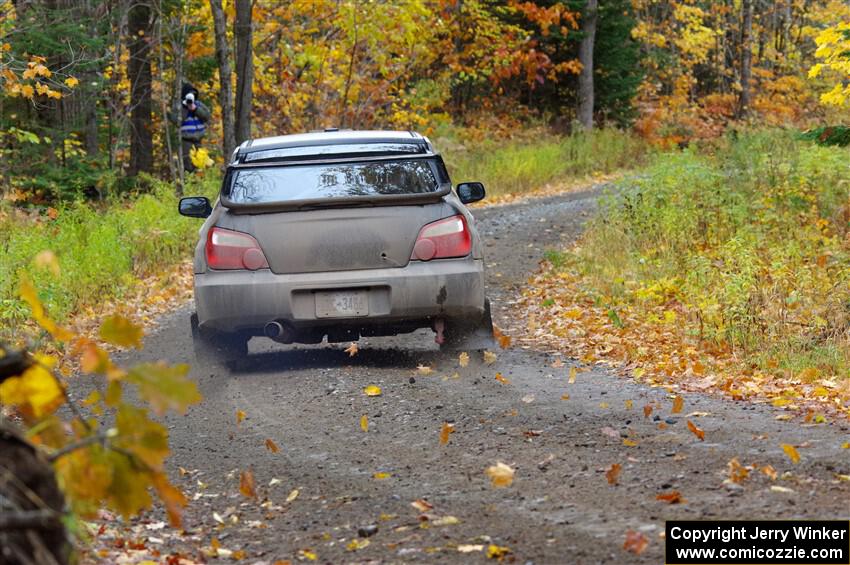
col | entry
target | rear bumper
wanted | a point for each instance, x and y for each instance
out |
(247, 300)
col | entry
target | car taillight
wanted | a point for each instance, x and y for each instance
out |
(228, 249)
(443, 239)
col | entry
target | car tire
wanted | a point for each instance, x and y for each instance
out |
(478, 336)
(213, 348)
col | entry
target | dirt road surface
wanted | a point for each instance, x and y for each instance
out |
(560, 508)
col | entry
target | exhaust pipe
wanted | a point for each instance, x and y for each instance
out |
(273, 330)
(281, 333)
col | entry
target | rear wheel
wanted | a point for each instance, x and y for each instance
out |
(215, 347)
(459, 336)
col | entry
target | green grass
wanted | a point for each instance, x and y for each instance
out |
(101, 250)
(532, 162)
(751, 239)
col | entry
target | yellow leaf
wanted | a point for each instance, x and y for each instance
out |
(364, 423)
(497, 551)
(380, 476)
(240, 415)
(272, 446)
(200, 157)
(629, 404)
(502, 379)
(372, 390)
(678, 404)
(489, 357)
(352, 349)
(791, 452)
(308, 554)
(164, 387)
(71, 82)
(630, 443)
(845, 445)
(446, 430)
(36, 392)
(501, 475)
(573, 373)
(565, 396)
(356, 544)
(30, 296)
(27, 91)
(293, 495)
(118, 330)
(463, 359)
(246, 484)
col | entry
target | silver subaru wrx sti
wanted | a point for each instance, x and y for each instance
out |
(340, 234)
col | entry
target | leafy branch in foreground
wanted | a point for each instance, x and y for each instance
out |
(115, 457)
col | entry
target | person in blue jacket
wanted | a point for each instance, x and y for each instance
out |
(193, 118)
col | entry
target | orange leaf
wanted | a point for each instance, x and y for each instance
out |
(613, 473)
(647, 410)
(246, 484)
(502, 379)
(445, 432)
(791, 452)
(697, 432)
(171, 496)
(240, 415)
(678, 404)
(352, 349)
(635, 542)
(272, 446)
(672, 497)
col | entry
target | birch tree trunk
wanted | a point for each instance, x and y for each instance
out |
(244, 69)
(225, 93)
(585, 55)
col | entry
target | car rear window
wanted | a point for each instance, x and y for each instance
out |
(332, 180)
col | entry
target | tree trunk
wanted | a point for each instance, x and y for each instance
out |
(139, 27)
(585, 56)
(746, 57)
(225, 93)
(244, 69)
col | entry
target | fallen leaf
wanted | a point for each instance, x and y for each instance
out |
(424, 369)
(246, 484)
(469, 548)
(672, 497)
(381, 475)
(770, 472)
(274, 482)
(777, 488)
(446, 430)
(240, 415)
(463, 359)
(603, 405)
(272, 446)
(356, 544)
(610, 432)
(573, 373)
(504, 341)
(613, 473)
(364, 423)
(308, 554)
(352, 349)
(445, 521)
(497, 551)
(791, 452)
(630, 443)
(845, 445)
(502, 379)
(489, 357)
(678, 404)
(565, 396)
(737, 472)
(528, 398)
(422, 505)
(372, 390)
(629, 404)
(647, 410)
(500, 475)
(696, 431)
(557, 363)
(292, 495)
(635, 542)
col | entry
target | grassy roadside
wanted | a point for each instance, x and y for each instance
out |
(115, 251)
(727, 269)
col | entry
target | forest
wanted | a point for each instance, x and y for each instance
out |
(712, 138)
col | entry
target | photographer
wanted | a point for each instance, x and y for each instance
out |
(193, 117)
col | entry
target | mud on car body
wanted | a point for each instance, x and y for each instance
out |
(337, 234)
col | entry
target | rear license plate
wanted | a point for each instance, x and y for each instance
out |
(342, 304)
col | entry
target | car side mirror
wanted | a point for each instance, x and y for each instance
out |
(195, 207)
(470, 192)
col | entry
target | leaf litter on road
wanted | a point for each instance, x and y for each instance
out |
(612, 474)
(791, 452)
(696, 431)
(445, 432)
(372, 390)
(635, 542)
(501, 475)
(364, 423)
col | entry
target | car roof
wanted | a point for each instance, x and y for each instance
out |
(285, 147)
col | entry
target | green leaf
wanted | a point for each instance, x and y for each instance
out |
(164, 387)
(118, 330)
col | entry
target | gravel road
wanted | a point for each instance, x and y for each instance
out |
(559, 509)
